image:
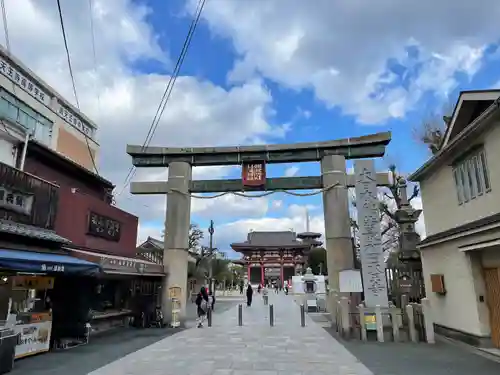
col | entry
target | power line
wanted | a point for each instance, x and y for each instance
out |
(168, 90)
(70, 66)
(5, 26)
(94, 54)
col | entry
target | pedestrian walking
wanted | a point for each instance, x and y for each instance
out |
(249, 295)
(202, 306)
(211, 300)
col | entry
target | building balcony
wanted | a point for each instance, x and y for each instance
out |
(27, 199)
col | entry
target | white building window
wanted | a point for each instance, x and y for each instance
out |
(471, 177)
(37, 125)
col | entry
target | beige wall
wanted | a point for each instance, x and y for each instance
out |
(77, 142)
(460, 308)
(439, 196)
(75, 149)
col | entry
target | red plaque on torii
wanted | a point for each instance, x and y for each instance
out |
(253, 173)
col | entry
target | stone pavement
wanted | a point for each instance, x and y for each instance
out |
(254, 349)
(106, 348)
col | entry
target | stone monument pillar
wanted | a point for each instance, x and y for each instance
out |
(175, 253)
(338, 245)
(370, 237)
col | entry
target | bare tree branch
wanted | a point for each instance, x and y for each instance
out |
(415, 193)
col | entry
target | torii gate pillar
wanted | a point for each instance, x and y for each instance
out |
(175, 253)
(339, 250)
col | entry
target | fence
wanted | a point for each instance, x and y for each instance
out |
(414, 323)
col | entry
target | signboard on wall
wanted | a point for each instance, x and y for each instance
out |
(105, 227)
(16, 201)
(75, 121)
(17, 77)
(253, 173)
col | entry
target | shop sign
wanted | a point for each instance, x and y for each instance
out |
(52, 268)
(254, 174)
(72, 119)
(35, 338)
(15, 201)
(104, 227)
(32, 282)
(15, 76)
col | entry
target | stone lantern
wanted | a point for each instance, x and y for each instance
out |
(408, 254)
(310, 287)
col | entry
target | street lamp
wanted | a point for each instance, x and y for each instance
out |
(211, 250)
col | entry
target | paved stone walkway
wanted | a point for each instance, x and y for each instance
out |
(254, 349)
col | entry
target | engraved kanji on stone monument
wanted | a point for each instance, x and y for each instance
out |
(370, 238)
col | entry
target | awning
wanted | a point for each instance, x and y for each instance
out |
(33, 262)
(117, 265)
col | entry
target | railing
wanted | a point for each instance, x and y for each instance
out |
(27, 199)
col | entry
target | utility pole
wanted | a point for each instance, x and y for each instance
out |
(211, 249)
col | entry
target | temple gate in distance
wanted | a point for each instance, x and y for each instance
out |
(274, 257)
(333, 184)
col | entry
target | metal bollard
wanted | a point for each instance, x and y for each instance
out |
(209, 317)
(271, 315)
(302, 316)
(240, 314)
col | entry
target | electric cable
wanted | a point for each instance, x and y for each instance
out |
(70, 66)
(168, 90)
(5, 26)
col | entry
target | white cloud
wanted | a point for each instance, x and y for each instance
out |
(276, 204)
(291, 171)
(230, 206)
(340, 49)
(122, 100)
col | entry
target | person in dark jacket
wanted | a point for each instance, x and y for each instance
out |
(211, 299)
(249, 295)
(202, 305)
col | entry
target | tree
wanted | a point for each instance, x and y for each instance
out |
(431, 134)
(317, 261)
(389, 202)
(431, 130)
(194, 238)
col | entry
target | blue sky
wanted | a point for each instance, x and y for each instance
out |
(258, 71)
(212, 56)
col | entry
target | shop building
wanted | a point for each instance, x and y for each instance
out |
(30, 108)
(460, 187)
(100, 233)
(152, 250)
(33, 261)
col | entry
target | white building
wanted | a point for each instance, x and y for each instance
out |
(460, 188)
(29, 106)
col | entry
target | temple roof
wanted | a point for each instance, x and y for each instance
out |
(277, 240)
(308, 235)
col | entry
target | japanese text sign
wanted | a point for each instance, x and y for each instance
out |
(254, 174)
(370, 238)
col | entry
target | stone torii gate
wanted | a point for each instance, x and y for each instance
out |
(333, 181)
